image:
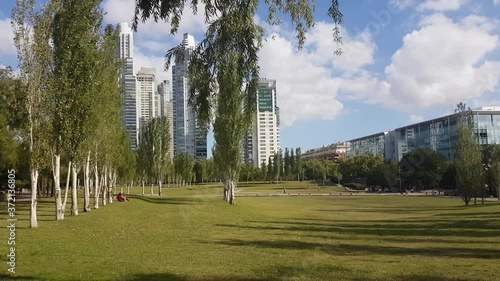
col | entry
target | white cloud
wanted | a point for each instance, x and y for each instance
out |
(358, 51)
(7, 47)
(430, 5)
(496, 2)
(443, 63)
(402, 4)
(306, 90)
(144, 60)
(416, 118)
(306, 85)
(441, 5)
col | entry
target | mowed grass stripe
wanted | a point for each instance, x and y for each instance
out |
(186, 237)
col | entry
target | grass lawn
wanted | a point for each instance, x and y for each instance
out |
(183, 237)
(243, 188)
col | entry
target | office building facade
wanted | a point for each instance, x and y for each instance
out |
(438, 134)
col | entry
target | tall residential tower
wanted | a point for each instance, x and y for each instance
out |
(264, 142)
(165, 108)
(187, 136)
(146, 97)
(126, 53)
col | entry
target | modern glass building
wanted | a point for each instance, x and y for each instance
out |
(373, 144)
(438, 134)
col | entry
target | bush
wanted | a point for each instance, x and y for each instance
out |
(356, 186)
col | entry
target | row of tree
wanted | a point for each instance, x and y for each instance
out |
(70, 95)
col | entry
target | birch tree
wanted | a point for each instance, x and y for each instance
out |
(31, 37)
(228, 55)
(467, 157)
(76, 33)
(153, 150)
(231, 123)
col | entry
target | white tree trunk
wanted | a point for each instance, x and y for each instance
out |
(57, 186)
(159, 190)
(104, 185)
(111, 186)
(86, 185)
(96, 189)
(232, 198)
(74, 191)
(63, 208)
(225, 189)
(142, 188)
(34, 200)
(128, 188)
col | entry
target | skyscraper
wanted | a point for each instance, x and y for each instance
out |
(146, 96)
(166, 109)
(187, 135)
(126, 52)
(264, 142)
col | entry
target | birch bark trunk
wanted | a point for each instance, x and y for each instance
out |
(34, 200)
(233, 197)
(96, 187)
(74, 190)
(104, 185)
(111, 186)
(57, 186)
(159, 191)
(86, 185)
(63, 208)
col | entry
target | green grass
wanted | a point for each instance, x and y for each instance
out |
(210, 189)
(183, 237)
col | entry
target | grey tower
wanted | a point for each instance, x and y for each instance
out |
(187, 136)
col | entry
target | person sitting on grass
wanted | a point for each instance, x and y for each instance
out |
(121, 198)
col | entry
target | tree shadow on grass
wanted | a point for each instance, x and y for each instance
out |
(423, 277)
(363, 250)
(16, 277)
(174, 277)
(167, 200)
(408, 210)
(381, 228)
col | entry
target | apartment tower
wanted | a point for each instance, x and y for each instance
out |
(128, 80)
(187, 135)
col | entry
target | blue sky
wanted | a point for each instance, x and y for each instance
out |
(404, 61)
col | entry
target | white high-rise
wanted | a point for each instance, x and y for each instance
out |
(146, 96)
(187, 136)
(264, 142)
(126, 53)
(165, 108)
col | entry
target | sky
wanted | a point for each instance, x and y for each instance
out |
(404, 61)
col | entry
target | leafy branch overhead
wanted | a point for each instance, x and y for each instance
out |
(300, 12)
